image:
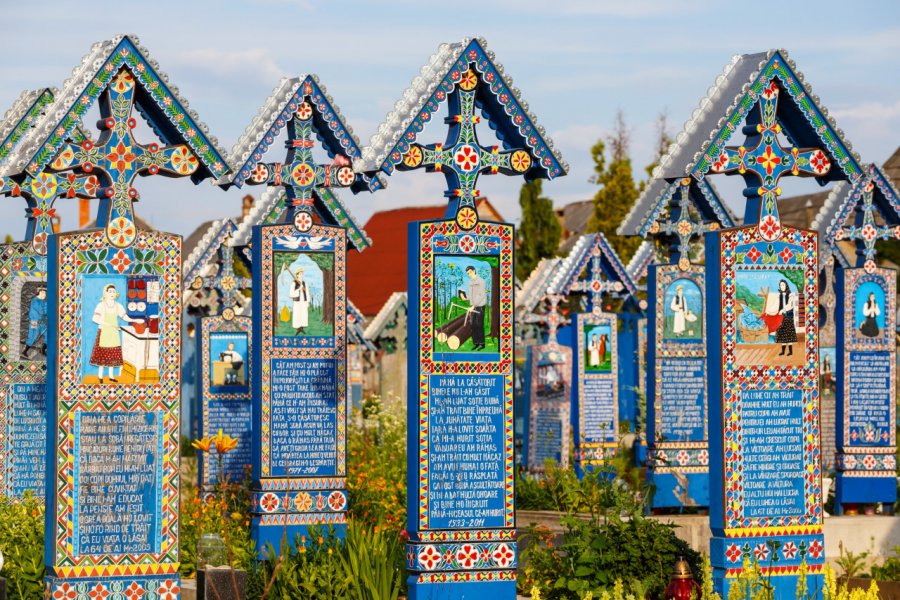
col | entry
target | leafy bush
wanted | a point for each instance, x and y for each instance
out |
(307, 569)
(22, 544)
(376, 468)
(227, 513)
(610, 541)
(368, 565)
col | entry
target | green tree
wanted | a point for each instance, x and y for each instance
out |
(8, 239)
(618, 191)
(539, 231)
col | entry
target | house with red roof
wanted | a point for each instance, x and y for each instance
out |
(380, 271)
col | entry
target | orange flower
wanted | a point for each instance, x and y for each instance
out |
(224, 443)
(202, 444)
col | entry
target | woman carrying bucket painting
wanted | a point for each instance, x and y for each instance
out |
(107, 350)
(786, 334)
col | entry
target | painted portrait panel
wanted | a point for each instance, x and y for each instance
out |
(228, 360)
(120, 328)
(466, 304)
(597, 348)
(683, 306)
(304, 294)
(33, 321)
(770, 307)
(869, 310)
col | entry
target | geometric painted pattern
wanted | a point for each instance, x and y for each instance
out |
(682, 456)
(737, 251)
(73, 398)
(592, 450)
(18, 264)
(293, 500)
(447, 237)
(867, 450)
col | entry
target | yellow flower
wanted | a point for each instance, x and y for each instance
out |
(224, 443)
(202, 444)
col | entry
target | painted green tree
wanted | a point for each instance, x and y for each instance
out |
(540, 231)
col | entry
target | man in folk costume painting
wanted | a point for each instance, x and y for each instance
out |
(478, 300)
(107, 351)
(300, 296)
(679, 325)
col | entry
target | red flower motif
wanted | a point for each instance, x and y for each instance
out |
(467, 556)
(65, 592)
(789, 551)
(134, 591)
(502, 555)
(761, 552)
(120, 158)
(753, 254)
(816, 549)
(429, 557)
(721, 163)
(99, 592)
(819, 162)
(467, 158)
(786, 255)
(169, 590)
(467, 244)
(769, 159)
(260, 173)
(733, 553)
(120, 261)
(769, 227)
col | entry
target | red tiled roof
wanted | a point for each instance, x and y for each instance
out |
(378, 272)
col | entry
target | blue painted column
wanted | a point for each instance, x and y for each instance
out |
(765, 474)
(866, 380)
(299, 379)
(678, 446)
(460, 478)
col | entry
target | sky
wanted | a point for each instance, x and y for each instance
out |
(577, 62)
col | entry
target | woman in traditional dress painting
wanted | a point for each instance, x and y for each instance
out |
(594, 352)
(679, 311)
(107, 350)
(300, 298)
(869, 327)
(786, 334)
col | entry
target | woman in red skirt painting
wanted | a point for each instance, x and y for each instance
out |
(107, 350)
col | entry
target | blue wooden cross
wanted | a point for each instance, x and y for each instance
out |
(595, 285)
(865, 231)
(762, 161)
(40, 192)
(678, 224)
(224, 281)
(300, 174)
(461, 158)
(117, 159)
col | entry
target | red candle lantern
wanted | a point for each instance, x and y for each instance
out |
(682, 584)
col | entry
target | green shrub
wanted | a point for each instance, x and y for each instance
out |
(22, 544)
(367, 565)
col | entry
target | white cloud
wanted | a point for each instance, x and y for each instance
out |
(607, 8)
(256, 64)
(876, 112)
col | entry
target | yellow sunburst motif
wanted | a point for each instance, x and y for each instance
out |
(467, 218)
